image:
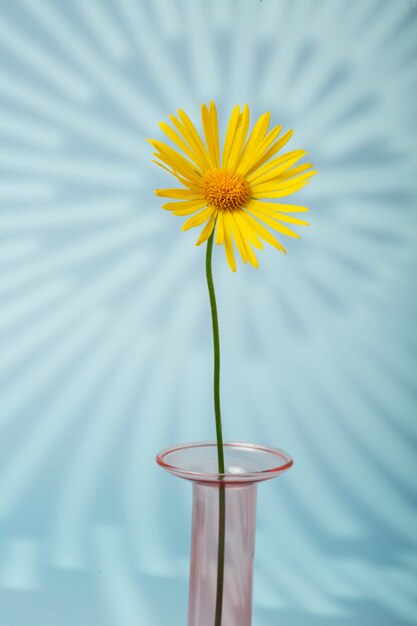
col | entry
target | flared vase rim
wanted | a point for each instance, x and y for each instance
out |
(279, 461)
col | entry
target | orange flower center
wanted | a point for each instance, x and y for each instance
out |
(225, 190)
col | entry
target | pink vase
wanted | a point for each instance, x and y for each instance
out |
(224, 505)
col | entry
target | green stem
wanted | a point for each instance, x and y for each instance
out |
(219, 435)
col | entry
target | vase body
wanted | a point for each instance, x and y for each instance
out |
(240, 514)
(224, 505)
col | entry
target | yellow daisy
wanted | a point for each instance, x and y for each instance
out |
(232, 190)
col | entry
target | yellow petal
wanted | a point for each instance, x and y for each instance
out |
(294, 171)
(281, 217)
(251, 255)
(274, 224)
(262, 231)
(210, 135)
(183, 204)
(284, 188)
(239, 227)
(176, 193)
(252, 258)
(191, 186)
(215, 129)
(220, 229)
(198, 219)
(192, 135)
(207, 230)
(230, 135)
(279, 181)
(175, 160)
(275, 167)
(282, 208)
(282, 193)
(175, 138)
(194, 141)
(256, 136)
(185, 212)
(280, 143)
(164, 167)
(236, 235)
(248, 231)
(187, 183)
(259, 150)
(189, 211)
(228, 244)
(167, 164)
(239, 139)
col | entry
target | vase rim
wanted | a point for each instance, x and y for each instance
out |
(245, 462)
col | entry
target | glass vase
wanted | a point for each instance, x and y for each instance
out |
(224, 505)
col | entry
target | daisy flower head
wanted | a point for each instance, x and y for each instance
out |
(233, 189)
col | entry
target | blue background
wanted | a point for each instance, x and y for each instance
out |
(105, 341)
